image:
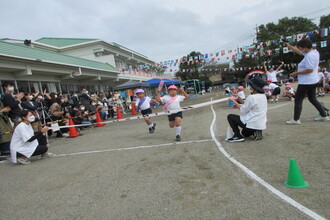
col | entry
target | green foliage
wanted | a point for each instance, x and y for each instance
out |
(325, 21)
(193, 67)
(285, 27)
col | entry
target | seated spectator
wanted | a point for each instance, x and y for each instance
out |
(92, 111)
(12, 101)
(29, 104)
(25, 143)
(253, 116)
(57, 114)
(289, 92)
(5, 130)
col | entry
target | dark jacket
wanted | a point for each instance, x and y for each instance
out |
(9, 100)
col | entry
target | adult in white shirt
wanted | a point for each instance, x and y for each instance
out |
(308, 79)
(253, 116)
(25, 143)
(271, 73)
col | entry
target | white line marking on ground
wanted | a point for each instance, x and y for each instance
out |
(258, 179)
(278, 106)
(133, 148)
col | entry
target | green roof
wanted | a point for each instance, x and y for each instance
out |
(37, 54)
(63, 42)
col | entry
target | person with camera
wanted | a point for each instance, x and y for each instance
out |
(12, 101)
(25, 143)
(308, 79)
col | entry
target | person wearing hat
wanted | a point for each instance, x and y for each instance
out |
(253, 115)
(240, 94)
(275, 89)
(308, 79)
(143, 104)
(289, 92)
(172, 102)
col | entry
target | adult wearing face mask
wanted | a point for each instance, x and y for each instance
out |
(308, 79)
(13, 102)
(84, 98)
(29, 104)
(25, 143)
(253, 115)
(56, 114)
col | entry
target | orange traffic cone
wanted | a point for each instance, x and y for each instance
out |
(73, 132)
(119, 115)
(98, 119)
(133, 109)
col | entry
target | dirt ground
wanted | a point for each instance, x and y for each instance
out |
(120, 171)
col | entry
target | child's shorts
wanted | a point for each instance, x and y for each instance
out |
(172, 117)
(276, 91)
(146, 111)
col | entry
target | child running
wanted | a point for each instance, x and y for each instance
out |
(143, 104)
(172, 102)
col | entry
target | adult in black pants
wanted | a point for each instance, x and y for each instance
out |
(308, 79)
(25, 143)
(253, 111)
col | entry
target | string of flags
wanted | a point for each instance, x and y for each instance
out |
(253, 50)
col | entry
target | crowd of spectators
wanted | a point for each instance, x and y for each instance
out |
(49, 108)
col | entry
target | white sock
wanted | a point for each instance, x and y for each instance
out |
(151, 125)
(178, 130)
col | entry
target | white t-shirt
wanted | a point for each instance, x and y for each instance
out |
(291, 90)
(19, 142)
(254, 111)
(311, 61)
(175, 104)
(145, 105)
(273, 86)
(241, 94)
(272, 75)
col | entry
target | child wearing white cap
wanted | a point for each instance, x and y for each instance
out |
(143, 104)
(172, 102)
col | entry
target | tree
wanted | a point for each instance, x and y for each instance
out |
(325, 21)
(285, 27)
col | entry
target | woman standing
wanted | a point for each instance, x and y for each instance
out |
(25, 143)
(308, 79)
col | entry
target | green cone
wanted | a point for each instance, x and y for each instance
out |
(295, 179)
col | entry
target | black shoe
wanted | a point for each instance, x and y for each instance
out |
(178, 138)
(236, 139)
(151, 130)
(154, 127)
(257, 135)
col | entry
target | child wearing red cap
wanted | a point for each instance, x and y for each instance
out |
(172, 102)
(289, 92)
(275, 89)
(143, 104)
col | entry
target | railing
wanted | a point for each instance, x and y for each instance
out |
(141, 73)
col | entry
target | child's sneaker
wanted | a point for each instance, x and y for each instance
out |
(236, 139)
(154, 126)
(293, 122)
(178, 138)
(151, 130)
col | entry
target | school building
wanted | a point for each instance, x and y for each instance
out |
(65, 65)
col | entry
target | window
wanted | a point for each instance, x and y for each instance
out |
(64, 88)
(35, 86)
(23, 86)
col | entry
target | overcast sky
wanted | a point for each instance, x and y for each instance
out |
(159, 29)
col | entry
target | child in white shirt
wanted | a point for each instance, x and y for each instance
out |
(143, 104)
(172, 102)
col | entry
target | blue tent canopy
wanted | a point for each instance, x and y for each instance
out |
(155, 82)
